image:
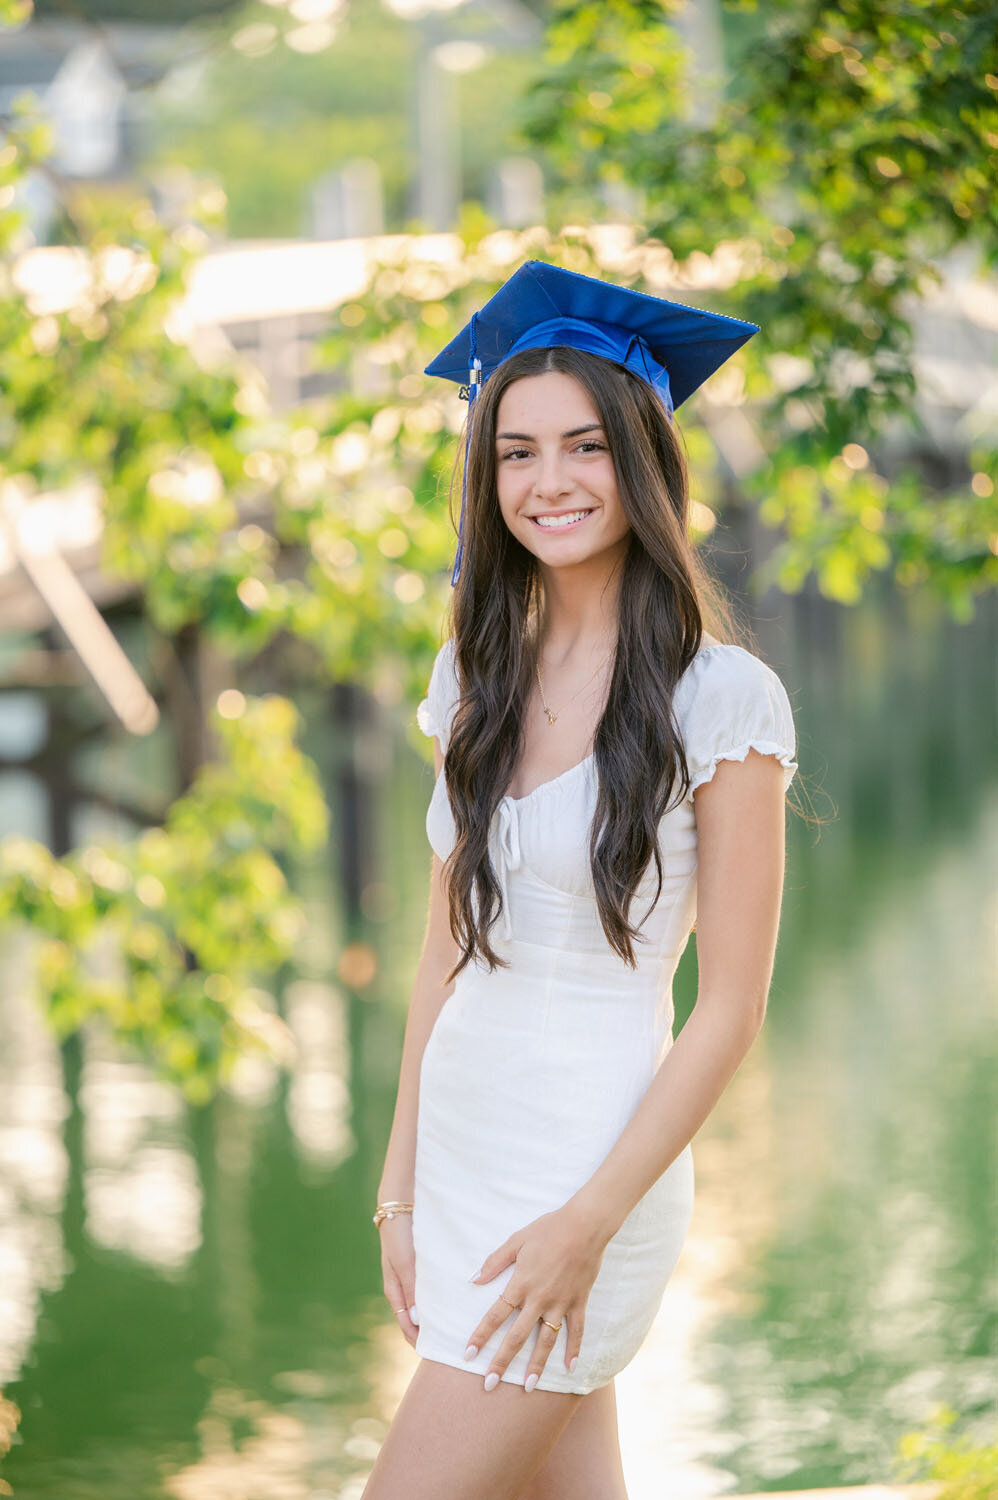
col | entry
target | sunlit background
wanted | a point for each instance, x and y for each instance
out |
(232, 235)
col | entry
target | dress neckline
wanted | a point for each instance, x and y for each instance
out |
(563, 775)
(551, 781)
(554, 780)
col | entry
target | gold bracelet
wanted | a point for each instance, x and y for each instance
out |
(389, 1210)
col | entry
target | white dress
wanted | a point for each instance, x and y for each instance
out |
(531, 1073)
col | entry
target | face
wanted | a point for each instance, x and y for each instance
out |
(553, 462)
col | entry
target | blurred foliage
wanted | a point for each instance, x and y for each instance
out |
(193, 909)
(98, 11)
(850, 148)
(960, 1467)
(229, 520)
(14, 12)
(324, 528)
(99, 380)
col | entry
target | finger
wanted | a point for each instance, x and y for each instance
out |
(511, 1344)
(543, 1345)
(576, 1322)
(497, 1261)
(397, 1300)
(493, 1319)
(403, 1264)
(407, 1278)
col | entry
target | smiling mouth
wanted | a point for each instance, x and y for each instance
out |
(558, 525)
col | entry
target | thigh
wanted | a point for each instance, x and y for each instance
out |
(584, 1463)
(451, 1437)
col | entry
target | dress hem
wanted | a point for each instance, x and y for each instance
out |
(471, 1366)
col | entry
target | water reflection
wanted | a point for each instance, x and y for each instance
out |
(190, 1300)
(34, 1168)
(319, 1099)
(846, 1173)
(140, 1185)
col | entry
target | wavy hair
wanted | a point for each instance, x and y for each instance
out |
(664, 597)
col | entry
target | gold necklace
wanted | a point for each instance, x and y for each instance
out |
(553, 716)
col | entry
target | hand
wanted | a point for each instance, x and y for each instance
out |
(398, 1270)
(557, 1258)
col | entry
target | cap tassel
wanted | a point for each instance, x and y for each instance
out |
(473, 387)
(663, 390)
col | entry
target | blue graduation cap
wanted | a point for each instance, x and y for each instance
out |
(671, 346)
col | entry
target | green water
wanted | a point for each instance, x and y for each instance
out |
(190, 1302)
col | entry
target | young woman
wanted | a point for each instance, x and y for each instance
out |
(607, 775)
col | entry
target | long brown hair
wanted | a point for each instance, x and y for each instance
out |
(664, 596)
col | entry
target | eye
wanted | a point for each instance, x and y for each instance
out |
(589, 445)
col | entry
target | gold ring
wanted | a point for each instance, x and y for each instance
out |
(515, 1305)
(555, 1326)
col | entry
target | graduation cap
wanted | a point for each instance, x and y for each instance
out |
(672, 347)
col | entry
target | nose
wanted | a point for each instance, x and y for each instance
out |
(551, 478)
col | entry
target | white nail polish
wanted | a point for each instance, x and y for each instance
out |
(531, 1380)
(573, 1361)
(491, 1380)
(414, 1315)
(471, 1351)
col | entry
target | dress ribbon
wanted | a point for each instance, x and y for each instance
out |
(509, 858)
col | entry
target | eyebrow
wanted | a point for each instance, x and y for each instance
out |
(573, 432)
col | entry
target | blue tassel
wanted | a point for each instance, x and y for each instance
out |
(474, 385)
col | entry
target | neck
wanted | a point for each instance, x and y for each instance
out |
(578, 611)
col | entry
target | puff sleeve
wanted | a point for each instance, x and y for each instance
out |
(737, 704)
(435, 712)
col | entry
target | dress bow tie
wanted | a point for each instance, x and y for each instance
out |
(509, 858)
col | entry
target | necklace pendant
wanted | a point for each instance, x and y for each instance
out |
(551, 716)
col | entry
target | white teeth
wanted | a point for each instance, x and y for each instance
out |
(550, 522)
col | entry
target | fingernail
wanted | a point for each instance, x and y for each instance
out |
(475, 1277)
(573, 1361)
(414, 1315)
(531, 1380)
(471, 1351)
(491, 1380)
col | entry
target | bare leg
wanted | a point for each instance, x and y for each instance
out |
(584, 1463)
(451, 1437)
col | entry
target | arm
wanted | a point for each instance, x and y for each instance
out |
(429, 991)
(740, 816)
